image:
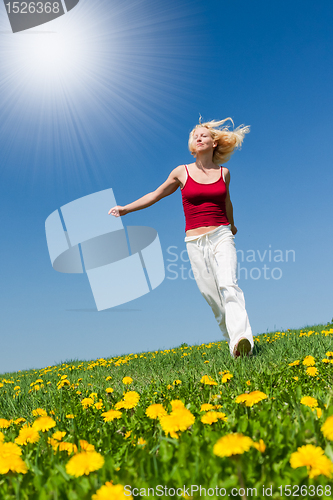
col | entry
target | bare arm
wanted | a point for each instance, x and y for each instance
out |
(228, 204)
(168, 187)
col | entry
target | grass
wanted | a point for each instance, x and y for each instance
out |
(144, 453)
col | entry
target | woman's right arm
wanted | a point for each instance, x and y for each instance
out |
(168, 187)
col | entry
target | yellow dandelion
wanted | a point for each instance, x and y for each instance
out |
(155, 411)
(206, 407)
(251, 398)
(327, 428)
(87, 402)
(213, 416)
(58, 435)
(141, 442)
(207, 380)
(313, 458)
(329, 354)
(70, 416)
(177, 404)
(232, 444)
(108, 390)
(130, 399)
(83, 463)
(319, 412)
(248, 382)
(110, 491)
(295, 378)
(64, 446)
(259, 446)
(19, 421)
(309, 401)
(127, 434)
(127, 380)
(43, 424)
(226, 377)
(4, 423)
(111, 415)
(85, 446)
(294, 363)
(99, 405)
(176, 382)
(27, 435)
(10, 460)
(312, 371)
(179, 419)
(309, 361)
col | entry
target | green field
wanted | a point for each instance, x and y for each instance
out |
(81, 431)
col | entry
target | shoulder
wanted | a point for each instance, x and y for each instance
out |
(179, 174)
(226, 174)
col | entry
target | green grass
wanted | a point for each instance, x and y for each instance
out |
(280, 420)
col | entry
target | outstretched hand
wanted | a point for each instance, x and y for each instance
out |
(117, 211)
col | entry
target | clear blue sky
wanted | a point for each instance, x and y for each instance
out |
(113, 108)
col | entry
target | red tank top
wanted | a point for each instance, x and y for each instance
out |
(204, 204)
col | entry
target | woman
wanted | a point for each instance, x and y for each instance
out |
(210, 227)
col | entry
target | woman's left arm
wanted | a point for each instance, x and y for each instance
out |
(228, 204)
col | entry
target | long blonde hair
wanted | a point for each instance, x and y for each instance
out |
(227, 141)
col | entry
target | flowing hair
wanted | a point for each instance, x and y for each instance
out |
(227, 141)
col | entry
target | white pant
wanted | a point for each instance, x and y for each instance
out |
(214, 264)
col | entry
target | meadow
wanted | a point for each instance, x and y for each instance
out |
(188, 422)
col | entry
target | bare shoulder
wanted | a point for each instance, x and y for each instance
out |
(179, 173)
(226, 174)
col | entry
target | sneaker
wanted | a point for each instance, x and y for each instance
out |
(243, 348)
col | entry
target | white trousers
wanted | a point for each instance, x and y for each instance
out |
(214, 264)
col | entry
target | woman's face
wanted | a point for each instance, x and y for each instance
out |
(202, 140)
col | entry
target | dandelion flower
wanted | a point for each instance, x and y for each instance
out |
(27, 435)
(176, 382)
(177, 404)
(64, 446)
(86, 402)
(294, 363)
(84, 463)
(313, 458)
(85, 446)
(70, 416)
(226, 377)
(207, 380)
(206, 407)
(251, 398)
(141, 442)
(4, 423)
(58, 435)
(108, 390)
(309, 401)
(127, 380)
(319, 412)
(327, 428)
(309, 361)
(43, 424)
(213, 416)
(259, 446)
(39, 412)
(329, 354)
(111, 415)
(111, 491)
(312, 371)
(179, 419)
(10, 459)
(155, 411)
(130, 400)
(232, 444)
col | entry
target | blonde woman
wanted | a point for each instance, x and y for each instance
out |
(210, 227)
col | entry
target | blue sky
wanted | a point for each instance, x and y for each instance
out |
(114, 109)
